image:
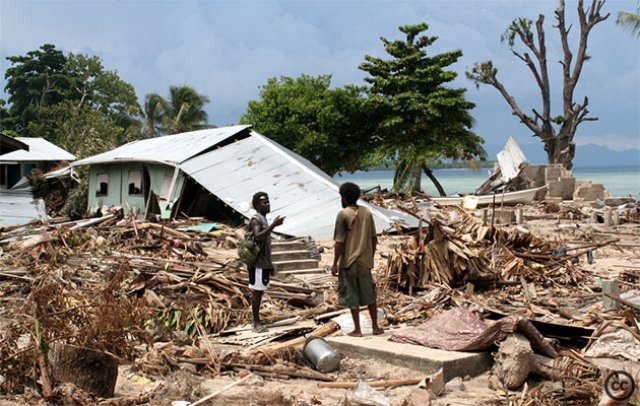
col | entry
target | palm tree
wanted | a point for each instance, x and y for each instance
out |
(182, 111)
(185, 110)
(630, 21)
(154, 111)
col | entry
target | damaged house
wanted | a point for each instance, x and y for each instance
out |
(214, 173)
(19, 156)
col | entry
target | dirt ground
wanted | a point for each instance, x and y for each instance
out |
(184, 385)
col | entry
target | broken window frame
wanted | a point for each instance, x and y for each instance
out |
(134, 185)
(100, 192)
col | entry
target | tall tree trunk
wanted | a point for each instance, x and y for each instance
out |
(561, 150)
(431, 176)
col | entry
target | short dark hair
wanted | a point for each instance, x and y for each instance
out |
(257, 197)
(350, 192)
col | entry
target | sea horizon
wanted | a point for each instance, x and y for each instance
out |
(620, 181)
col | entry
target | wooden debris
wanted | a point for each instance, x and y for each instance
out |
(392, 383)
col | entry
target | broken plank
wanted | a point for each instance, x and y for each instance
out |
(375, 384)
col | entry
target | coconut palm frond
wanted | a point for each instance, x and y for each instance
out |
(630, 21)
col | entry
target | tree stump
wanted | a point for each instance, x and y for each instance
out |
(93, 371)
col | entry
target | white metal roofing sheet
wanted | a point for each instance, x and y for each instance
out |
(171, 149)
(510, 159)
(39, 150)
(297, 189)
(18, 207)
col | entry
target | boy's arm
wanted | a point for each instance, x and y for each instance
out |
(337, 253)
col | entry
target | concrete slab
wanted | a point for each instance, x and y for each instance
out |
(428, 360)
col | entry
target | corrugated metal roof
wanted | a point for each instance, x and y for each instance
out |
(18, 207)
(170, 149)
(298, 189)
(510, 159)
(39, 150)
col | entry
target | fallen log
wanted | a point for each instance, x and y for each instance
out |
(164, 229)
(375, 384)
(294, 372)
(91, 222)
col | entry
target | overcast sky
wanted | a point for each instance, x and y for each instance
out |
(228, 49)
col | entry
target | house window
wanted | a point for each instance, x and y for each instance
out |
(135, 183)
(102, 185)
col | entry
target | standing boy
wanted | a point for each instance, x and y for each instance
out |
(260, 273)
(355, 244)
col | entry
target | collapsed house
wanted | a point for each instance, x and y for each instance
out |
(19, 156)
(214, 173)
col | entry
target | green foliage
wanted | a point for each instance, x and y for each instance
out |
(154, 112)
(182, 111)
(71, 100)
(630, 21)
(76, 204)
(34, 81)
(420, 118)
(519, 25)
(330, 127)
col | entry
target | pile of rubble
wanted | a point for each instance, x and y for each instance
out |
(164, 298)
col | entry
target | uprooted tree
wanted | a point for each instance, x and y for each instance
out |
(556, 132)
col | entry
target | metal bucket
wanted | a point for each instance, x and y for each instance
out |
(321, 355)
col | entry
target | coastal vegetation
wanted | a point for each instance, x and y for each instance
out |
(407, 115)
(420, 118)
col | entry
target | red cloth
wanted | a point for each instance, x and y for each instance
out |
(459, 329)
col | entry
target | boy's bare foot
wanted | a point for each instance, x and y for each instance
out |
(355, 333)
(377, 331)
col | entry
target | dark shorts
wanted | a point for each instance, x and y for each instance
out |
(356, 287)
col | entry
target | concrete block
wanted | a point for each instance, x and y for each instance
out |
(552, 172)
(427, 360)
(568, 187)
(534, 175)
(554, 189)
(504, 217)
(562, 188)
(589, 193)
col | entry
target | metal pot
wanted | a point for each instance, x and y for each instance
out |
(320, 354)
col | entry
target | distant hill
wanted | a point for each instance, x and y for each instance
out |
(589, 155)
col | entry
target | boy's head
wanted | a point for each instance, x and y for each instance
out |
(350, 193)
(260, 202)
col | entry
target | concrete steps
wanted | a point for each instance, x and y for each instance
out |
(297, 256)
(293, 245)
(303, 271)
(295, 264)
(280, 256)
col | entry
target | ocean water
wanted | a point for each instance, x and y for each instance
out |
(617, 180)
